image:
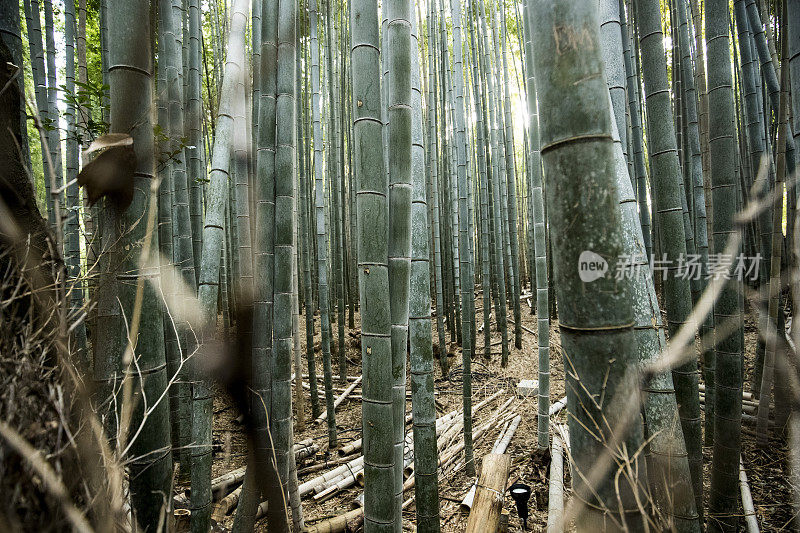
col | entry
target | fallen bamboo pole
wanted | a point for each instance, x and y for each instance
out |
(338, 401)
(558, 406)
(309, 486)
(326, 464)
(220, 484)
(750, 517)
(555, 503)
(344, 522)
(485, 515)
(226, 505)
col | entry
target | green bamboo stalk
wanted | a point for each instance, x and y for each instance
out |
(285, 177)
(793, 36)
(634, 109)
(503, 148)
(213, 248)
(196, 167)
(373, 238)
(256, 7)
(467, 289)
(54, 137)
(307, 256)
(698, 195)
(769, 70)
(758, 154)
(450, 178)
(579, 164)
(511, 186)
(775, 282)
(494, 194)
(34, 27)
(321, 246)
(179, 338)
(130, 67)
(11, 36)
(667, 459)
(72, 251)
(433, 199)
(398, 102)
(539, 241)
(426, 461)
(614, 59)
(335, 178)
(482, 155)
(723, 496)
(667, 179)
(299, 240)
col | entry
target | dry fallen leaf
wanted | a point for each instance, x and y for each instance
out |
(111, 172)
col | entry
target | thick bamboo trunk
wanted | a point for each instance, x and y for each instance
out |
(373, 239)
(667, 185)
(580, 167)
(130, 77)
(723, 496)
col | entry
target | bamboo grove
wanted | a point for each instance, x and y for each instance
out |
(237, 196)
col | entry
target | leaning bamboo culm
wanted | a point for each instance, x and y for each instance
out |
(668, 187)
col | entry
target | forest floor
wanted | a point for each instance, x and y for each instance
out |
(765, 468)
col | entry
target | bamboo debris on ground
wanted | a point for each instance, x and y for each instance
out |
(558, 406)
(356, 444)
(349, 477)
(339, 400)
(485, 515)
(448, 427)
(351, 520)
(555, 501)
(749, 510)
(226, 505)
(500, 446)
(220, 484)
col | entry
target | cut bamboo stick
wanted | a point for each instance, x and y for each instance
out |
(500, 446)
(485, 515)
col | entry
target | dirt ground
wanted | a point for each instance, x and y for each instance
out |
(765, 469)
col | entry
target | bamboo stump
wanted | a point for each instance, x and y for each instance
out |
(485, 515)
